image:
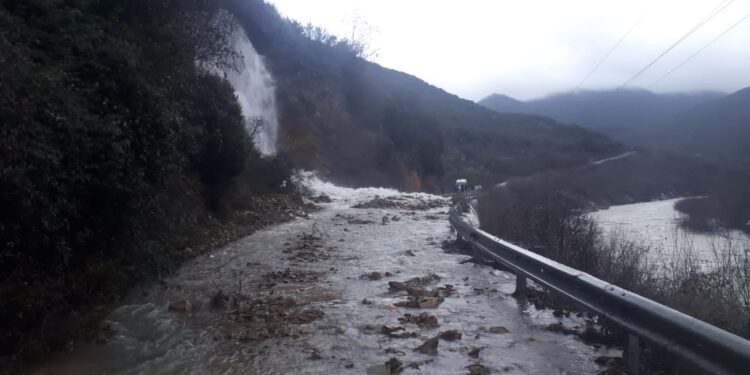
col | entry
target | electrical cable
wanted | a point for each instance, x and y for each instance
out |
(723, 5)
(700, 50)
(606, 55)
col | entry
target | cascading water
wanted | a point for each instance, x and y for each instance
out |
(256, 93)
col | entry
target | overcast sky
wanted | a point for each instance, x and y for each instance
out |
(531, 48)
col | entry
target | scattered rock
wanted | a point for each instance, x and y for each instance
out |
(450, 335)
(271, 317)
(182, 306)
(410, 302)
(404, 203)
(423, 319)
(410, 253)
(391, 332)
(394, 365)
(429, 347)
(372, 276)
(385, 220)
(315, 356)
(395, 218)
(449, 289)
(474, 353)
(366, 302)
(498, 329)
(322, 198)
(429, 302)
(390, 329)
(394, 351)
(221, 301)
(559, 328)
(288, 275)
(356, 221)
(305, 316)
(477, 369)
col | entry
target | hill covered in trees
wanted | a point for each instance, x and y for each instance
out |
(361, 124)
(115, 146)
(718, 128)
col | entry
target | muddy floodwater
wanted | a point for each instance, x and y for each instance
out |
(312, 296)
(657, 225)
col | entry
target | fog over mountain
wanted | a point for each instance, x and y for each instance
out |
(708, 123)
(618, 113)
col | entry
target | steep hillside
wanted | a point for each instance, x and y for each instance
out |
(617, 113)
(361, 124)
(117, 152)
(719, 128)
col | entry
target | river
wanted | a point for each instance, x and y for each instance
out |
(657, 225)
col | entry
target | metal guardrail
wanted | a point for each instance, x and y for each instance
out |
(713, 349)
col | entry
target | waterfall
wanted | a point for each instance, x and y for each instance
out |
(256, 93)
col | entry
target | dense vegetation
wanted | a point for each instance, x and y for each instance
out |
(726, 204)
(361, 124)
(113, 143)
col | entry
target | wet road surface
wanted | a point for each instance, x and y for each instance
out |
(300, 298)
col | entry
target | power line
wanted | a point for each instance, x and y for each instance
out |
(606, 55)
(700, 50)
(723, 5)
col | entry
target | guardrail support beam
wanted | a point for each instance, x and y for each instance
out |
(632, 353)
(520, 285)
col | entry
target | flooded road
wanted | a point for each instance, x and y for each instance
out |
(316, 296)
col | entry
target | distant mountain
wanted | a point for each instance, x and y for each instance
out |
(720, 127)
(503, 104)
(617, 113)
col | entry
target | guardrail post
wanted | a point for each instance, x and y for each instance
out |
(632, 353)
(520, 285)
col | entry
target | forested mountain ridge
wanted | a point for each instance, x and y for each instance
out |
(361, 124)
(717, 128)
(706, 123)
(619, 113)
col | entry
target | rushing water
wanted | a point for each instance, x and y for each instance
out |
(150, 339)
(256, 93)
(657, 225)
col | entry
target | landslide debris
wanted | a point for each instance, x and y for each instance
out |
(412, 203)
